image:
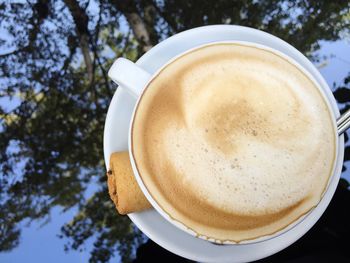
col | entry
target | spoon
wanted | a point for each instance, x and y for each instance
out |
(343, 122)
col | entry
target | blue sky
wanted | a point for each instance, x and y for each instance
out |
(41, 244)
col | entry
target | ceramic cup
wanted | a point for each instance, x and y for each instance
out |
(135, 80)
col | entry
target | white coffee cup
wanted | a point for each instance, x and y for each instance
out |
(134, 79)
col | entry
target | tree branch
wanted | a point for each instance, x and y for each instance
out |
(149, 16)
(97, 57)
(104, 74)
(171, 23)
(40, 12)
(81, 20)
(136, 22)
(14, 52)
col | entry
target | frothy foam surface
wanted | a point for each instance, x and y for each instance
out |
(233, 141)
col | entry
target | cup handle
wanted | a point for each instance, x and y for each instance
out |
(129, 76)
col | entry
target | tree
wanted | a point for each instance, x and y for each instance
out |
(54, 93)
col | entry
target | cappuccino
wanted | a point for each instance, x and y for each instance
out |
(233, 141)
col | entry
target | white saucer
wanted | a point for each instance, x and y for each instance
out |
(153, 224)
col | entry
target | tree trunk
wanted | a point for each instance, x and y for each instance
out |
(136, 22)
(81, 20)
(149, 14)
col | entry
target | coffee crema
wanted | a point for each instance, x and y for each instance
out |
(233, 141)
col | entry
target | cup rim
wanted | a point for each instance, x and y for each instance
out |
(182, 226)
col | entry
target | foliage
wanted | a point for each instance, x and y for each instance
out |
(54, 95)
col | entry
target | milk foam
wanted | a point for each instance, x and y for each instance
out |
(233, 141)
